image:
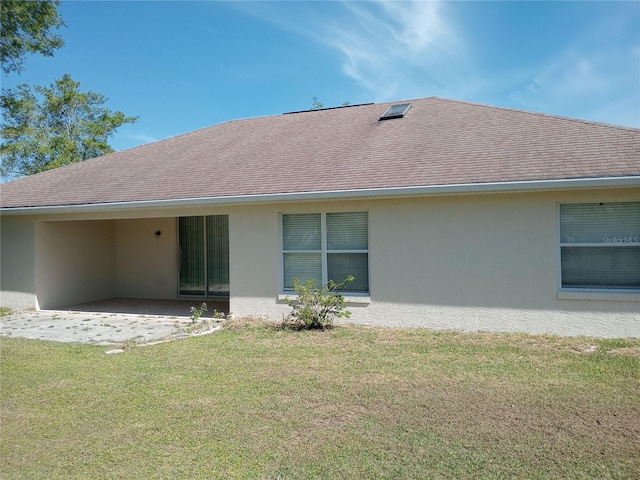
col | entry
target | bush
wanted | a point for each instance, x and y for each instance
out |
(196, 312)
(316, 308)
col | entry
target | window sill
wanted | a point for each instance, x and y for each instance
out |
(610, 295)
(355, 300)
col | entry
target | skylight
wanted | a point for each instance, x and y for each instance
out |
(396, 111)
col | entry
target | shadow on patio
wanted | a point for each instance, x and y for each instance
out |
(169, 308)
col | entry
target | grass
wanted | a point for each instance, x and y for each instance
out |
(254, 402)
(5, 311)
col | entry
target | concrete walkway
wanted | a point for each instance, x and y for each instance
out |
(110, 322)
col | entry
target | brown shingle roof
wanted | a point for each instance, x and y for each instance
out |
(439, 142)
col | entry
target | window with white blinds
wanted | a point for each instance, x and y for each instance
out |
(326, 246)
(600, 245)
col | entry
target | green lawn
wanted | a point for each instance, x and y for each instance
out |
(252, 402)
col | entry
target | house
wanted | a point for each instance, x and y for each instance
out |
(451, 215)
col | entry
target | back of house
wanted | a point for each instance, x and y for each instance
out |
(449, 215)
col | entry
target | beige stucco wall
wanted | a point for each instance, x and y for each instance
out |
(481, 262)
(17, 262)
(471, 262)
(147, 264)
(75, 262)
(254, 261)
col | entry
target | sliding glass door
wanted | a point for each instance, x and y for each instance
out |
(217, 255)
(204, 255)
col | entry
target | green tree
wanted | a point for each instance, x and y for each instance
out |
(317, 104)
(47, 127)
(25, 27)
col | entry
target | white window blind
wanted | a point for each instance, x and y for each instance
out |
(600, 245)
(347, 231)
(192, 248)
(302, 241)
(347, 249)
(204, 247)
(217, 255)
(326, 246)
(302, 232)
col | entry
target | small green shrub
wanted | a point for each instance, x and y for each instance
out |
(5, 311)
(196, 312)
(200, 324)
(316, 308)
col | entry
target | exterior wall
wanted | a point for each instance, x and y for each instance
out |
(17, 262)
(469, 262)
(75, 262)
(254, 262)
(481, 262)
(147, 265)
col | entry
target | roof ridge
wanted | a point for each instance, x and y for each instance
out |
(541, 114)
(328, 108)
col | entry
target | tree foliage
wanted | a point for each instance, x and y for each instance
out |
(45, 127)
(25, 27)
(317, 104)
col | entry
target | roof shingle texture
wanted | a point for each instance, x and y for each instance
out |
(438, 142)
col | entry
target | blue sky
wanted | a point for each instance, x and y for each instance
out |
(183, 65)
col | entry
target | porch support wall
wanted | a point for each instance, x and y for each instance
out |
(17, 262)
(75, 262)
(254, 262)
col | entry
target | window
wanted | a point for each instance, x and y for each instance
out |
(600, 246)
(204, 255)
(326, 246)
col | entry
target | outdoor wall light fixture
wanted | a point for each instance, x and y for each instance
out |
(158, 233)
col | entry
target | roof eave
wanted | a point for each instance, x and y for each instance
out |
(367, 193)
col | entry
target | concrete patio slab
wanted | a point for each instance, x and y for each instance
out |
(109, 322)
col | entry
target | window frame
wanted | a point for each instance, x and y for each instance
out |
(591, 292)
(324, 252)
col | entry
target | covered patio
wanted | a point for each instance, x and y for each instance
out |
(146, 266)
(115, 321)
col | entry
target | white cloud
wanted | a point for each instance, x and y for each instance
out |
(575, 74)
(418, 25)
(594, 74)
(398, 50)
(128, 138)
(584, 84)
(387, 47)
(142, 138)
(391, 47)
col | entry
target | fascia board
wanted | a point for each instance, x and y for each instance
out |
(370, 193)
